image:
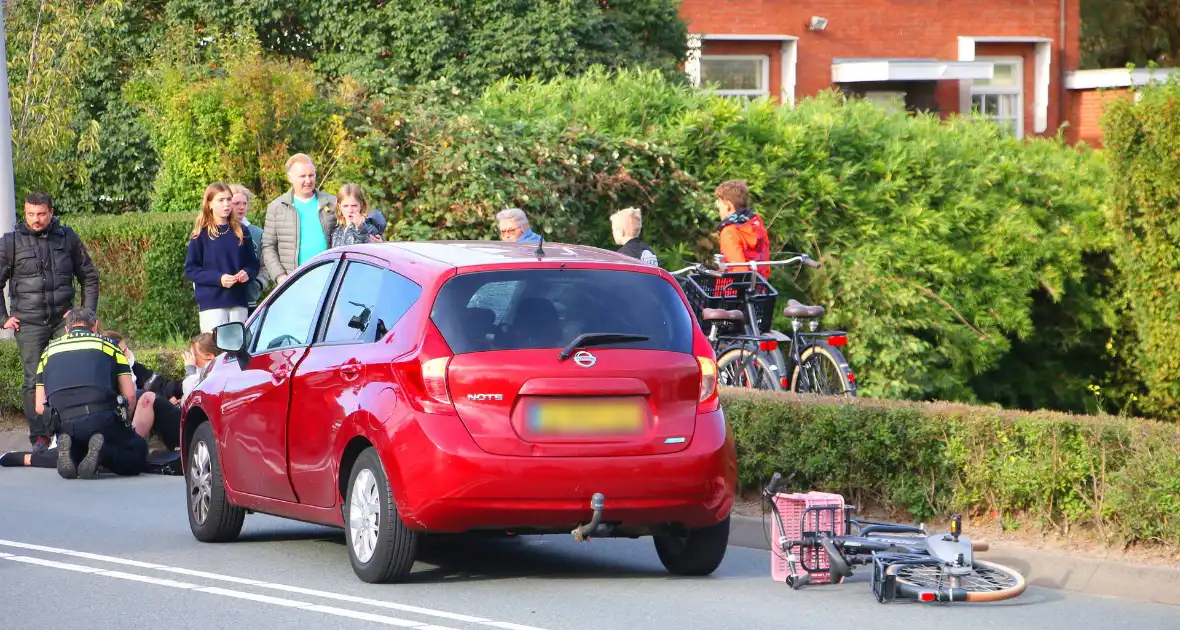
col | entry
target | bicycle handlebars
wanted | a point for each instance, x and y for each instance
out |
(773, 485)
(801, 258)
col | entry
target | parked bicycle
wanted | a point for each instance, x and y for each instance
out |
(743, 358)
(737, 311)
(907, 562)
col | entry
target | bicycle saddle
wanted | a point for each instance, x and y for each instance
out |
(797, 309)
(721, 315)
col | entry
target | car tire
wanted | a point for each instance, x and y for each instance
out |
(380, 546)
(210, 514)
(697, 554)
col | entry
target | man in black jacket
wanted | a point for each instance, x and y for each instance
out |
(39, 261)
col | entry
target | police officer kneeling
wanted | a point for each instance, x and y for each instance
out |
(79, 381)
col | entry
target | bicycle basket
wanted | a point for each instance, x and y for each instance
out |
(708, 291)
(804, 515)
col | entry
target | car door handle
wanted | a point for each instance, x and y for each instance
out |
(350, 371)
(280, 375)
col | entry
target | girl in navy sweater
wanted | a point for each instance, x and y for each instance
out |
(220, 261)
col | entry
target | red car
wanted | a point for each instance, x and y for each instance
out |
(407, 388)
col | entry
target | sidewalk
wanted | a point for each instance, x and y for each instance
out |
(1077, 574)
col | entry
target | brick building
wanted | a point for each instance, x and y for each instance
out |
(1014, 60)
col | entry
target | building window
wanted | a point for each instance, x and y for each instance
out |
(1001, 98)
(737, 75)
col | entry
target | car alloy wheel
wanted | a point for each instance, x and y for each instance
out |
(211, 516)
(364, 516)
(200, 475)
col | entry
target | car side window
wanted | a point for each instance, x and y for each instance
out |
(290, 318)
(369, 303)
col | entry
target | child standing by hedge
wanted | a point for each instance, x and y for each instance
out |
(742, 234)
(220, 261)
(353, 224)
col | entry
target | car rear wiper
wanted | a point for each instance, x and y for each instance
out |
(597, 339)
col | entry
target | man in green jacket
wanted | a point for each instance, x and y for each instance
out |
(299, 223)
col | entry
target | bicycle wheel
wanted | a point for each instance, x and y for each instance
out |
(987, 582)
(824, 371)
(759, 371)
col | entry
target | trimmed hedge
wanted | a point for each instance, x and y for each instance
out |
(1120, 476)
(140, 258)
(165, 361)
(143, 293)
(1143, 140)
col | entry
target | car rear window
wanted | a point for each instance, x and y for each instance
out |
(548, 308)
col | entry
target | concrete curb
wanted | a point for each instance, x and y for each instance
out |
(1076, 574)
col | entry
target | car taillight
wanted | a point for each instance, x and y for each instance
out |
(425, 376)
(434, 379)
(707, 398)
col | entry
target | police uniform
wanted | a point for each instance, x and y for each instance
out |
(80, 375)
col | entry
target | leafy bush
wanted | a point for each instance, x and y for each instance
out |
(1118, 476)
(140, 258)
(946, 245)
(143, 293)
(444, 171)
(165, 361)
(1143, 142)
(50, 47)
(217, 110)
(471, 42)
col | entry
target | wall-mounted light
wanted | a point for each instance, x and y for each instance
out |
(817, 23)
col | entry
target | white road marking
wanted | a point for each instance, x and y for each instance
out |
(214, 590)
(378, 603)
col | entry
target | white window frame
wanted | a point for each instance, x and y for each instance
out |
(764, 59)
(1018, 91)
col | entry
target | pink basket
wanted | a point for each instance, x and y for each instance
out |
(790, 508)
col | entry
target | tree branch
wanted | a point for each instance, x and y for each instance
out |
(982, 335)
(24, 117)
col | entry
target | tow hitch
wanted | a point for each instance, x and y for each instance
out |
(582, 534)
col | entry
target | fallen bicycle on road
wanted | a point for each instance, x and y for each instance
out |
(814, 547)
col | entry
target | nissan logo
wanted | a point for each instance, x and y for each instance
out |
(585, 359)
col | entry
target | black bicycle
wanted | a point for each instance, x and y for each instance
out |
(725, 304)
(907, 562)
(737, 308)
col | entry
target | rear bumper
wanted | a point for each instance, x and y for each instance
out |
(446, 483)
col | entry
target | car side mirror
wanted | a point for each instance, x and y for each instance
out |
(230, 337)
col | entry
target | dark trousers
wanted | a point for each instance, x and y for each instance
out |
(167, 424)
(123, 452)
(31, 340)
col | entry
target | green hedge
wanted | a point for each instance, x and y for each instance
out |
(1120, 476)
(140, 258)
(165, 361)
(143, 293)
(946, 245)
(1143, 140)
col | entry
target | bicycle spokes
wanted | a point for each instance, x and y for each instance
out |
(818, 374)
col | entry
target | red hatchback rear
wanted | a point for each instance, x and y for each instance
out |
(467, 387)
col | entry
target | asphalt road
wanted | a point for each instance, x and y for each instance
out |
(117, 553)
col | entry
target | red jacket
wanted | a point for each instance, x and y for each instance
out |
(745, 239)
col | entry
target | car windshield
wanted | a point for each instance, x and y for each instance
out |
(548, 308)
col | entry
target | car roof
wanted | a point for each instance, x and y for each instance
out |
(459, 254)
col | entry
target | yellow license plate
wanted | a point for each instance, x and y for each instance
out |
(584, 417)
